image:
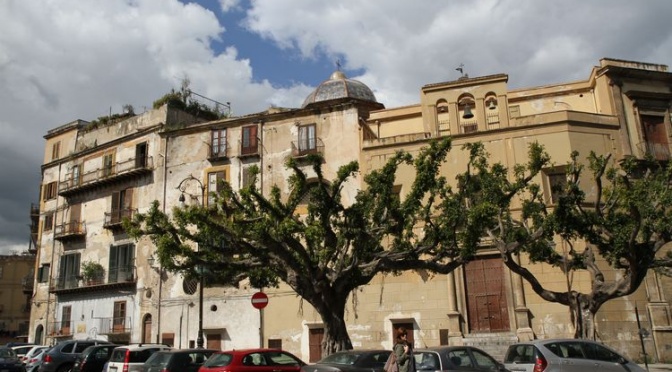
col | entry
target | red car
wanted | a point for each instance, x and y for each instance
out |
(252, 360)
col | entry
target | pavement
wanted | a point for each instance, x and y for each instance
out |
(658, 367)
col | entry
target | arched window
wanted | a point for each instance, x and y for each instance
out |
(442, 116)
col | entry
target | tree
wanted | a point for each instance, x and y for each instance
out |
(625, 222)
(326, 253)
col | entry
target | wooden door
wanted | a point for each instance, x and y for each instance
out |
(214, 341)
(486, 297)
(655, 136)
(315, 337)
(147, 329)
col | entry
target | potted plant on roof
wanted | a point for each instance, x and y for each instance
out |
(92, 272)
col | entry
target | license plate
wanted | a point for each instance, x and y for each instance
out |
(113, 369)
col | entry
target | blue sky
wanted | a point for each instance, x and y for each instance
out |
(62, 60)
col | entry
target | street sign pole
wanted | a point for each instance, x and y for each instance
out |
(259, 302)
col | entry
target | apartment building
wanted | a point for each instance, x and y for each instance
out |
(16, 272)
(622, 107)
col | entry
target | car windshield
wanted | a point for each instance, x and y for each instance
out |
(219, 360)
(158, 359)
(7, 353)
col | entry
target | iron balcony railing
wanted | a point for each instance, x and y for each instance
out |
(115, 275)
(69, 229)
(76, 182)
(62, 328)
(219, 152)
(113, 219)
(115, 325)
(249, 149)
(303, 148)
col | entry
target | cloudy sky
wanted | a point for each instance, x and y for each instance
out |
(62, 60)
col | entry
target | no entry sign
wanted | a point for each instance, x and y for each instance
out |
(259, 300)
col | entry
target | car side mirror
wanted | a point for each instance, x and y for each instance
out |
(622, 360)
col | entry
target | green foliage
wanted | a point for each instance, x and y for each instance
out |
(91, 270)
(182, 100)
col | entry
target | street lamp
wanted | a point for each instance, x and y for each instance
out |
(182, 187)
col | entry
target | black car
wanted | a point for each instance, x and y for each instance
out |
(93, 358)
(351, 361)
(9, 361)
(61, 357)
(455, 358)
(185, 360)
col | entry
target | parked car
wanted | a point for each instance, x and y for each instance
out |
(93, 358)
(130, 358)
(9, 361)
(566, 355)
(455, 358)
(185, 360)
(33, 363)
(22, 350)
(36, 349)
(252, 360)
(351, 361)
(62, 356)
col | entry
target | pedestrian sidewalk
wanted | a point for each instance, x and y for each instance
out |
(658, 367)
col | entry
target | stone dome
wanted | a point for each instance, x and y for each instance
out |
(339, 86)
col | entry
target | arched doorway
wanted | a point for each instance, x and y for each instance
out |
(147, 329)
(39, 333)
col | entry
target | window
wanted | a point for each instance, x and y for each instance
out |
(214, 183)
(76, 171)
(122, 202)
(218, 143)
(49, 191)
(460, 358)
(108, 165)
(121, 263)
(66, 318)
(141, 155)
(274, 343)
(249, 141)
(69, 270)
(119, 317)
(43, 273)
(557, 182)
(55, 150)
(48, 221)
(247, 177)
(307, 139)
(1, 271)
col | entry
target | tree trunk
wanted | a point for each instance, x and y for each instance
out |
(583, 309)
(336, 336)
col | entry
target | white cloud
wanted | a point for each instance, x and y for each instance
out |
(66, 59)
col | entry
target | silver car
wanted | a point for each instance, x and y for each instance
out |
(566, 355)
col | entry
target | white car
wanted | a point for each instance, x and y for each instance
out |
(22, 350)
(566, 355)
(130, 358)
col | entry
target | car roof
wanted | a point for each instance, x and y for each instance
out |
(177, 351)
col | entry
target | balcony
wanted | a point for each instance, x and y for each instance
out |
(115, 325)
(250, 149)
(70, 230)
(60, 329)
(101, 176)
(113, 219)
(220, 152)
(122, 277)
(659, 151)
(303, 148)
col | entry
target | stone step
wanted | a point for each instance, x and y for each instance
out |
(494, 344)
